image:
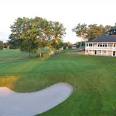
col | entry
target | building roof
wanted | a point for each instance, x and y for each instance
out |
(105, 38)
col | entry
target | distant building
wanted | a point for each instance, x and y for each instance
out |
(74, 46)
(104, 46)
(80, 44)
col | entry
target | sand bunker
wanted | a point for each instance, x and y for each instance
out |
(30, 104)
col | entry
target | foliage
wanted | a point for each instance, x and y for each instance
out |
(6, 44)
(112, 30)
(91, 31)
(31, 34)
(81, 30)
(95, 31)
(67, 45)
(80, 44)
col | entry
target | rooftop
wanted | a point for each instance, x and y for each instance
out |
(105, 38)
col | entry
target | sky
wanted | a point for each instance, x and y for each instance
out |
(68, 12)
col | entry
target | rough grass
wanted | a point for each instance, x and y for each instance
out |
(93, 79)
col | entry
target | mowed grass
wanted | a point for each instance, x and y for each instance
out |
(93, 79)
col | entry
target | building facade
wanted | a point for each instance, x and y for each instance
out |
(104, 46)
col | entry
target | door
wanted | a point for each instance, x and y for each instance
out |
(95, 52)
(114, 53)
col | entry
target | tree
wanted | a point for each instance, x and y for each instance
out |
(57, 43)
(1, 45)
(57, 32)
(81, 30)
(35, 33)
(90, 31)
(112, 30)
(6, 44)
(108, 28)
(13, 43)
(95, 31)
(67, 45)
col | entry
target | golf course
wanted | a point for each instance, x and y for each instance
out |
(93, 79)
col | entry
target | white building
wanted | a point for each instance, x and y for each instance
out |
(104, 45)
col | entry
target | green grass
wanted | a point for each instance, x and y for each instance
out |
(93, 79)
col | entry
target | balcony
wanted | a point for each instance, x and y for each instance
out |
(101, 46)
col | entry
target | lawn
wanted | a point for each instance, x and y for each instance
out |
(93, 79)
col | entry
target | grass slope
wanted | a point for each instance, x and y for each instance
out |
(93, 79)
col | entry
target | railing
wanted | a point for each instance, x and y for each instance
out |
(100, 48)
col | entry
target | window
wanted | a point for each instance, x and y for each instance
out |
(115, 45)
(114, 53)
(99, 45)
(104, 45)
(90, 45)
(110, 44)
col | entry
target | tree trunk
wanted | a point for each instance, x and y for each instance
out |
(40, 54)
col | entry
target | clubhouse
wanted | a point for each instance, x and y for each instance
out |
(104, 46)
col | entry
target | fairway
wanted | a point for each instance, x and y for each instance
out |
(93, 79)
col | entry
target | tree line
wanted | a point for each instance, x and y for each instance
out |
(38, 35)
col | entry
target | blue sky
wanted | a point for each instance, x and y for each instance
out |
(68, 12)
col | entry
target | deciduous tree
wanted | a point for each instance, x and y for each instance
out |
(32, 34)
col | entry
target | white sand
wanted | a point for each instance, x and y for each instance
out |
(30, 104)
